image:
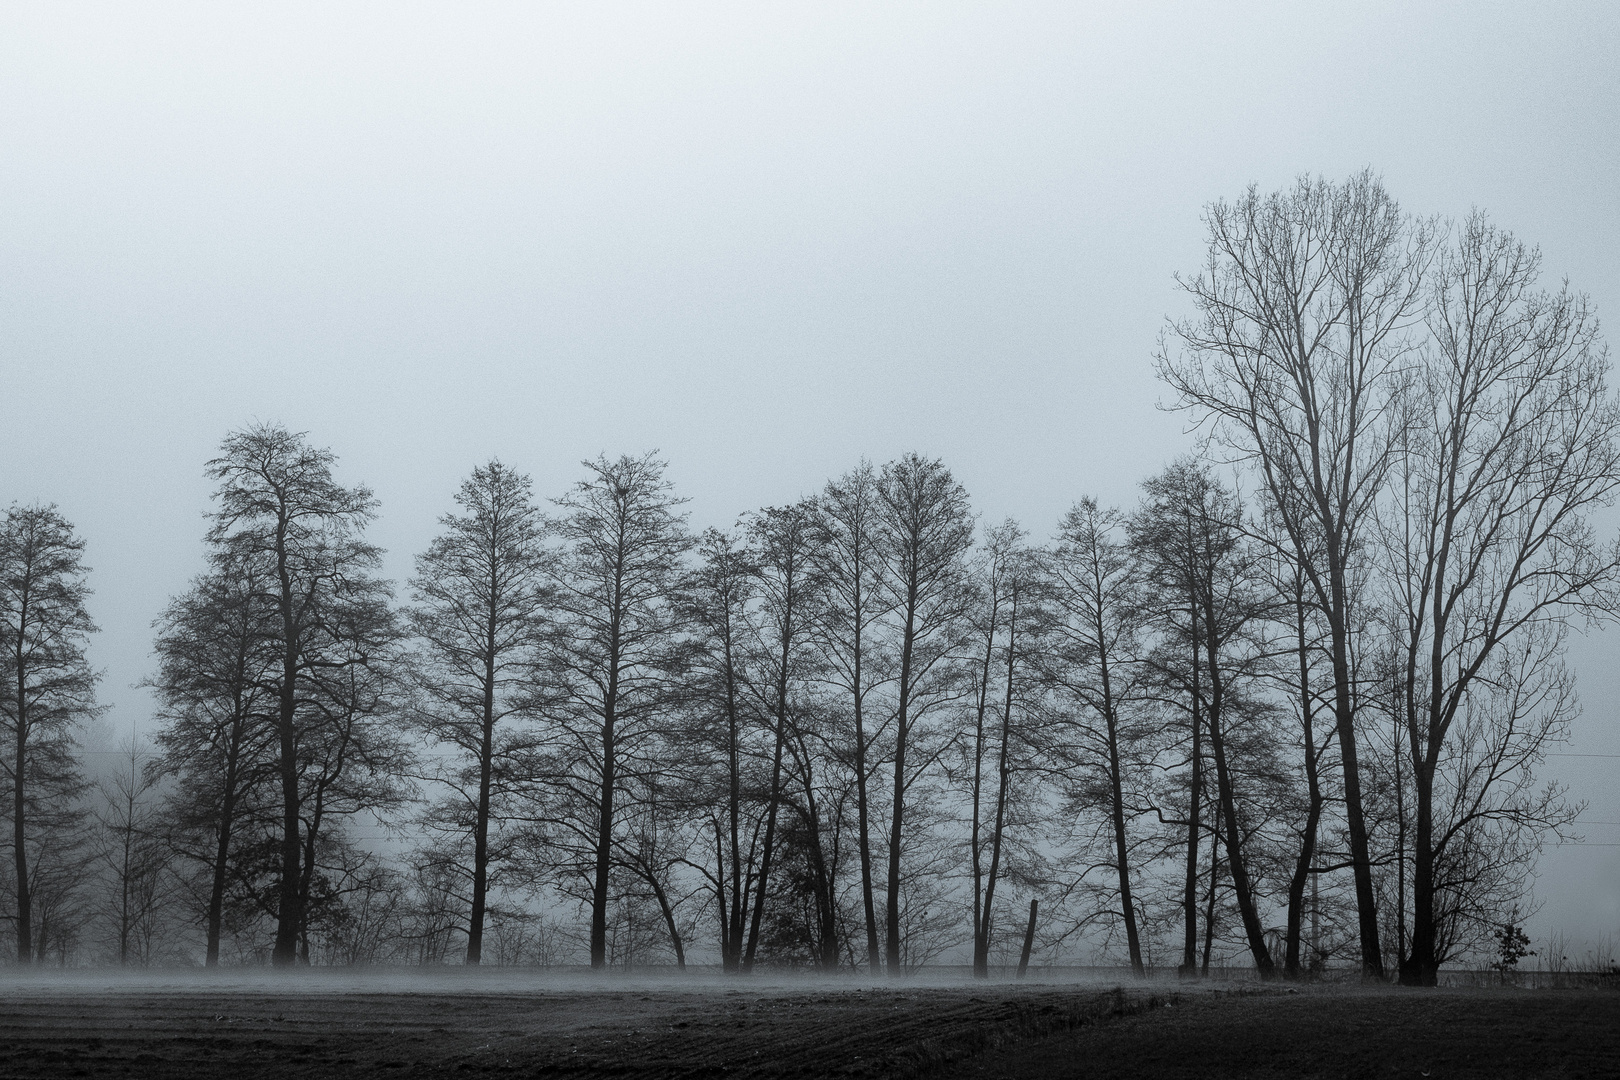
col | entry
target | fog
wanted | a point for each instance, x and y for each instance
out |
(489, 980)
(765, 240)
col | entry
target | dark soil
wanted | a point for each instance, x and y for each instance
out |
(592, 1029)
(585, 1031)
(1384, 1032)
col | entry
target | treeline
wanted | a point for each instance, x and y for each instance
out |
(1288, 706)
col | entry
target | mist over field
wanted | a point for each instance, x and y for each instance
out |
(869, 440)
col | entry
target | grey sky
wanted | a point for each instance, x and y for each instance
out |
(765, 239)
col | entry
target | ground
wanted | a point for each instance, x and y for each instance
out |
(246, 1027)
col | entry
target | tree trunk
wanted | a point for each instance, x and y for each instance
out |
(765, 854)
(1122, 864)
(981, 946)
(1241, 886)
(1209, 905)
(892, 914)
(732, 932)
(604, 837)
(1372, 963)
(669, 919)
(216, 893)
(475, 925)
(1189, 901)
(1116, 792)
(727, 960)
(874, 960)
(289, 916)
(222, 849)
(826, 905)
(1029, 939)
(19, 817)
(1421, 967)
(975, 849)
(1292, 968)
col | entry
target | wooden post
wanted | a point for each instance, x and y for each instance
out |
(1029, 940)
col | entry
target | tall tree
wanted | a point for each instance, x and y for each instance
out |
(48, 687)
(855, 660)
(1190, 531)
(611, 653)
(782, 540)
(1165, 538)
(1508, 446)
(715, 604)
(925, 532)
(1005, 624)
(1295, 356)
(278, 503)
(479, 615)
(1094, 663)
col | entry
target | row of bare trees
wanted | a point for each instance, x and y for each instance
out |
(1291, 704)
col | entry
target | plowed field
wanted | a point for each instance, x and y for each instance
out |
(247, 1028)
(581, 1030)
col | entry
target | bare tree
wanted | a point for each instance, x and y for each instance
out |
(479, 615)
(277, 502)
(1191, 532)
(1508, 446)
(132, 854)
(715, 604)
(854, 658)
(781, 540)
(926, 530)
(48, 687)
(1295, 357)
(992, 756)
(610, 657)
(1093, 662)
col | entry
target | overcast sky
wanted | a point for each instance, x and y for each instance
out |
(764, 239)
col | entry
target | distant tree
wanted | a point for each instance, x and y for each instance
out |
(925, 529)
(374, 916)
(609, 660)
(1512, 945)
(62, 887)
(48, 688)
(278, 504)
(479, 616)
(1295, 358)
(133, 857)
